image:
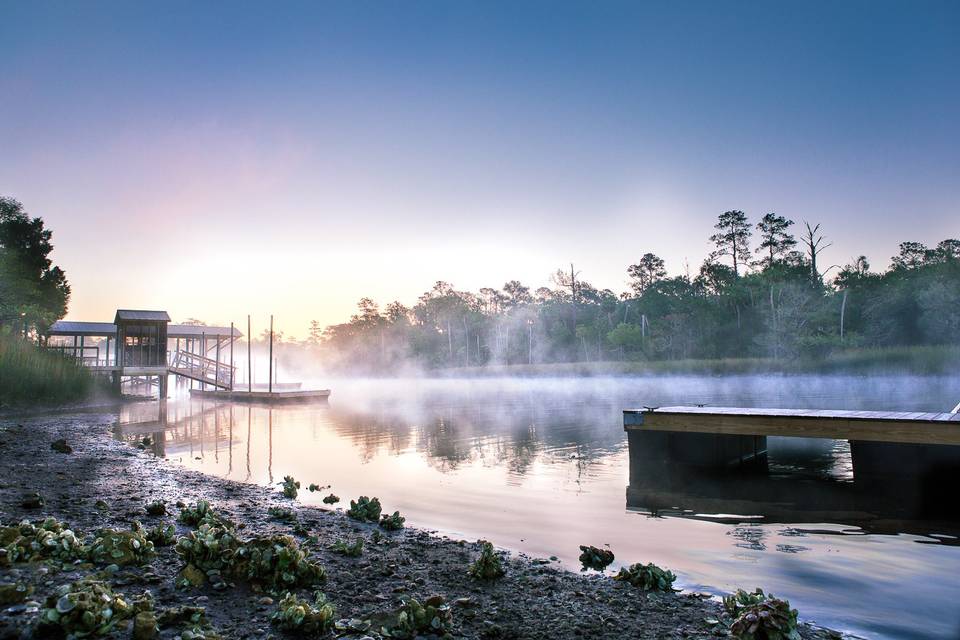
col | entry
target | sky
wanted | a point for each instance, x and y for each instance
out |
(217, 159)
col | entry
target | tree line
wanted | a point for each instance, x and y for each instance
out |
(33, 291)
(760, 293)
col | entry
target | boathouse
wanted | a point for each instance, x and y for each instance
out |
(141, 347)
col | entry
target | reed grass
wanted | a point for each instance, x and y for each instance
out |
(28, 375)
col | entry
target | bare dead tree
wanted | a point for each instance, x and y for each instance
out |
(813, 241)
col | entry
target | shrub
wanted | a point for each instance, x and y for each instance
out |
(648, 577)
(302, 616)
(156, 508)
(282, 513)
(595, 558)
(209, 547)
(202, 513)
(771, 619)
(84, 608)
(331, 499)
(121, 548)
(487, 566)
(278, 564)
(352, 550)
(735, 603)
(365, 509)
(393, 522)
(413, 619)
(49, 539)
(162, 535)
(290, 487)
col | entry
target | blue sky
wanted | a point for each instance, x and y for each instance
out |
(319, 152)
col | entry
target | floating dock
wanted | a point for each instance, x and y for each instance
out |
(871, 426)
(264, 397)
(882, 443)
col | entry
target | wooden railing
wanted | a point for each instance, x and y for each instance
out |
(202, 369)
(78, 353)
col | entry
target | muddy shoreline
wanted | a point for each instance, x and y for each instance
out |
(535, 600)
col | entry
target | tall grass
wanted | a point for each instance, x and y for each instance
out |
(28, 374)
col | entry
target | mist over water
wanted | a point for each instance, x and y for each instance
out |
(540, 466)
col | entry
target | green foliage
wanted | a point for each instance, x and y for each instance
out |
(770, 619)
(202, 513)
(33, 292)
(414, 619)
(121, 548)
(277, 563)
(595, 558)
(392, 522)
(209, 547)
(31, 374)
(487, 566)
(282, 513)
(365, 509)
(290, 487)
(161, 535)
(156, 508)
(352, 550)
(303, 617)
(331, 499)
(83, 609)
(648, 577)
(45, 540)
(735, 603)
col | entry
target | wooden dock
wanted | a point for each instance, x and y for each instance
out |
(869, 426)
(264, 397)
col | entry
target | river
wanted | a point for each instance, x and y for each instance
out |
(540, 466)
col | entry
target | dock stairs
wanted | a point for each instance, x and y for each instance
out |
(194, 366)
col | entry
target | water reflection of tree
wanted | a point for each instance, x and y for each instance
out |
(510, 432)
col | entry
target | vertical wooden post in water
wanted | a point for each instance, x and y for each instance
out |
(249, 359)
(216, 367)
(270, 384)
(232, 370)
(203, 353)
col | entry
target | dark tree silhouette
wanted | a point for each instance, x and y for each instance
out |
(775, 239)
(733, 238)
(646, 272)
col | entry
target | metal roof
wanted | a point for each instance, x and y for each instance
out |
(70, 328)
(200, 330)
(108, 329)
(136, 314)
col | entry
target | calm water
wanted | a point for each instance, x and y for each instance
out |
(541, 466)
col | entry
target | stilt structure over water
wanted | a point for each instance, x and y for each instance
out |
(142, 348)
(147, 349)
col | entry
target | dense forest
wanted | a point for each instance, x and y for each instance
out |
(772, 301)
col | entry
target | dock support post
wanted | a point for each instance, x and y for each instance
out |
(232, 369)
(249, 358)
(270, 384)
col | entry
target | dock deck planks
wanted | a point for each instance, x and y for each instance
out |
(904, 427)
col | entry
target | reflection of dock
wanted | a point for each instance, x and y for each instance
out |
(893, 506)
(268, 397)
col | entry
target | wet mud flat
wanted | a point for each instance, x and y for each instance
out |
(103, 482)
